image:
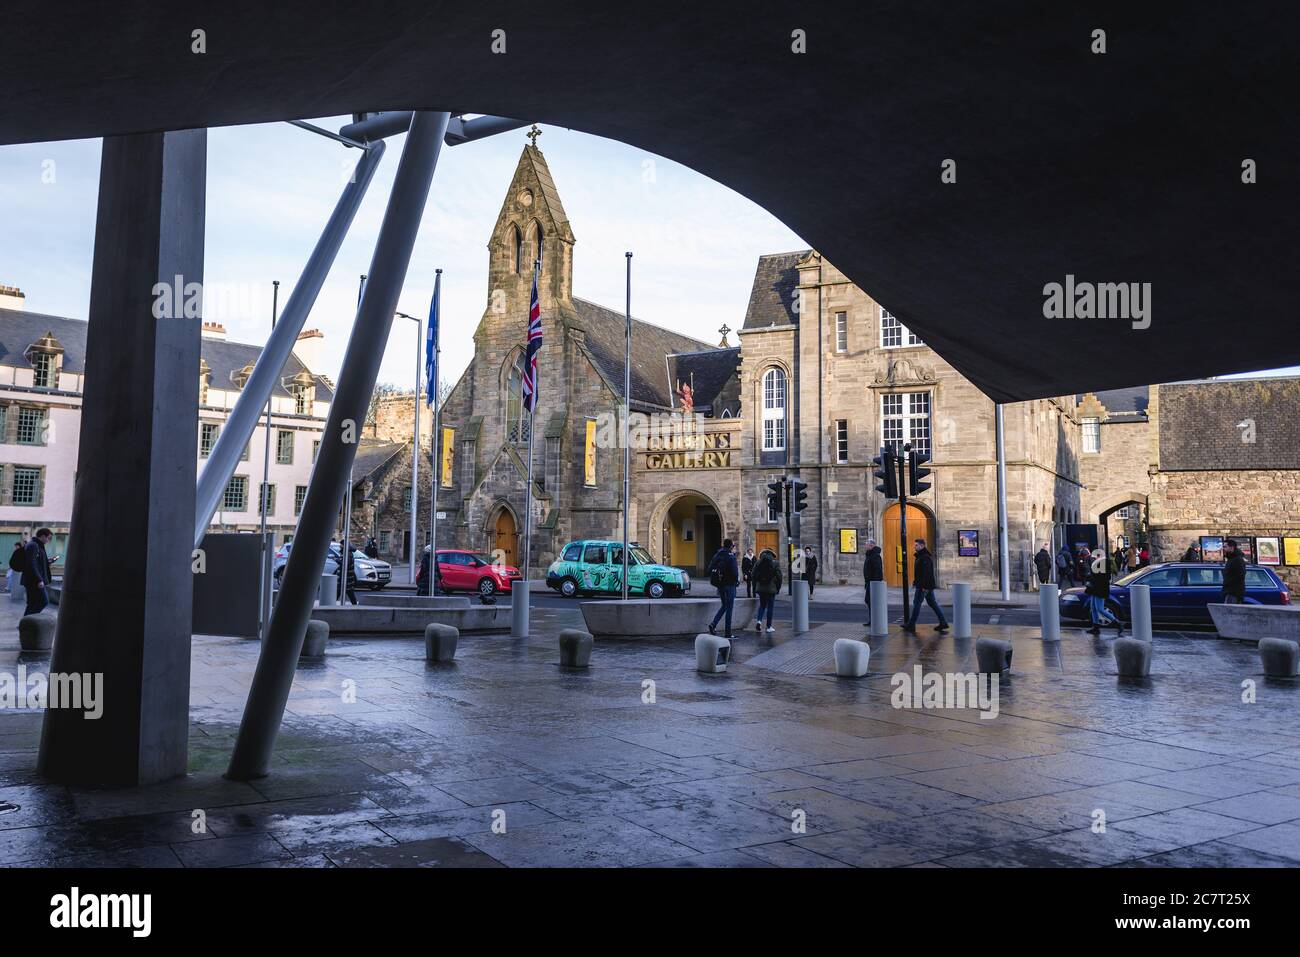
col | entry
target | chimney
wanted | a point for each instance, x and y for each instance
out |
(308, 348)
(214, 330)
(11, 297)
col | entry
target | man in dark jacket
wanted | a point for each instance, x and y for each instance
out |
(372, 548)
(747, 572)
(1234, 575)
(725, 576)
(350, 574)
(924, 579)
(1043, 564)
(36, 572)
(810, 569)
(422, 575)
(873, 570)
(1064, 568)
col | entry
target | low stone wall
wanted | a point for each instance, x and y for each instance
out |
(648, 618)
(362, 620)
(1253, 622)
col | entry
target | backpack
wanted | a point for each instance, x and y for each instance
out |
(715, 573)
(18, 560)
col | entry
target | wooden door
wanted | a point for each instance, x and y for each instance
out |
(506, 542)
(895, 550)
(766, 538)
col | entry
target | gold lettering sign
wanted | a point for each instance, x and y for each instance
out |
(687, 460)
(448, 450)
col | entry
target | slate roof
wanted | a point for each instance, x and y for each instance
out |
(1124, 405)
(771, 300)
(605, 329)
(371, 457)
(710, 372)
(19, 329)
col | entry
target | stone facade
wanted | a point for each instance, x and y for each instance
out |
(1117, 469)
(381, 477)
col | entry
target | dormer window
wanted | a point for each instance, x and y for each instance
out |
(46, 357)
(303, 389)
(240, 378)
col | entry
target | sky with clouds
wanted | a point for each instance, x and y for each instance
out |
(272, 187)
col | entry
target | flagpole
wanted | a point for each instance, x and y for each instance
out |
(627, 410)
(519, 609)
(415, 461)
(436, 401)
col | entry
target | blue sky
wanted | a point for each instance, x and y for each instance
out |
(271, 188)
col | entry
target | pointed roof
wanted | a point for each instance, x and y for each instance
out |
(534, 175)
(771, 300)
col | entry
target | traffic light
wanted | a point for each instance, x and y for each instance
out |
(774, 497)
(915, 474)
(886, 472)
(800, 490)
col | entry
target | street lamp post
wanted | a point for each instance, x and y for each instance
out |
(415, 451)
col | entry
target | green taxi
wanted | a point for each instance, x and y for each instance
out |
(596, 567)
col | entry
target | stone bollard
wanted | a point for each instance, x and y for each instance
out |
(1139, 603)
(36, 632)
(1132, 657)
(879, 610)
(851, 657)
(799, 607)
(1280, 657)
(313, 644)
(575, 648)
(440, 642)
(960, 610)
(712, 652)
(1049, 611)
(329, 590)
(993, 655)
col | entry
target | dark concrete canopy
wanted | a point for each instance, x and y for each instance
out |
(1117, 168)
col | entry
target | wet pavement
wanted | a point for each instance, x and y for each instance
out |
(504, 758)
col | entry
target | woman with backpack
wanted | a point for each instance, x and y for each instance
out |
(767, 585)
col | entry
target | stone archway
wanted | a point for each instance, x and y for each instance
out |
(685, 529)
(1123, 515)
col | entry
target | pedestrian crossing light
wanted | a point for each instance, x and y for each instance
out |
(774, 497)
(916, 483)
(800, 490)
(886, 472)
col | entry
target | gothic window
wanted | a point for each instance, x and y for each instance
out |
(517, 243)
(774, 410)
(516, 417)
(541, 240)
(895, 335)
(905, 417)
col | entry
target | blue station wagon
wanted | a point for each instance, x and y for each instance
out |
(1180, 592)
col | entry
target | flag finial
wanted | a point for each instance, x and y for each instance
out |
(533, 134)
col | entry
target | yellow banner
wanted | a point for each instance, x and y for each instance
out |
(1291, 551)
(589, 462)
(848, 541)
(448, 457)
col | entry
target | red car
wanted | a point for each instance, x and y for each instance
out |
(461, 570)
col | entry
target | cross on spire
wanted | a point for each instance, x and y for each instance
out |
(725, 330)
(533, 134)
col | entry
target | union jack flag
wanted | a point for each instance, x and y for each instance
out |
(534, 344)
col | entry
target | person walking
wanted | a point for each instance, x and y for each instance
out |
(1043, 564)
(1121, 560)
(1193, 553)
(767, 583)
(810, 569)
(1234, 575)
(747, 572)
(422, 574)
(724, 576)
(372, 548)
(1064, 568)
(924, 579)
(873, 570)
(349, 574)
(1082, 564)
(36, 572)
(1097, 591)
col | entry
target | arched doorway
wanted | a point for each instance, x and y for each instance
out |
(920, 524)
(505, 537)
(686, 531)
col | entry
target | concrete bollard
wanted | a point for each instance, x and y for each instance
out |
(800, 605)
(575, 648)
(1280, 657)
(1139, 603)
(993, 655)
(440, 642)
(1049, 611)
(313, 644)
(1132, 657)
(329, 590)
(36, 632)
(712, 652)
(879, 610)
(519, 610)
(851, 657)
(961, 610)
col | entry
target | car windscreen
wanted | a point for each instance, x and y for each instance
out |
(641, 555)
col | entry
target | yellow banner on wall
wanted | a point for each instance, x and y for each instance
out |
(1291, 551)
(448, 457)
(589, 459)
(848, 541)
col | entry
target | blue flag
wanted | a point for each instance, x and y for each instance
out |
(430, 343)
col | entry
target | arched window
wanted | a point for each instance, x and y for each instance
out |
(774, 410)
(516, 418)
(518, 243)
(541, 240)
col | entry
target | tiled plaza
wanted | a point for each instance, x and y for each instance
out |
(504, 758)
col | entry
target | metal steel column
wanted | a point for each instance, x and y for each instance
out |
(332, 475)
(435, 462)
(1004, 560)
(415, 457)
(238, 427)
(627, 411)
(264, 585)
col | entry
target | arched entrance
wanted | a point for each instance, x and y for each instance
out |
(920, 524)
(685, 531)
(1124, 521)
(505, 537)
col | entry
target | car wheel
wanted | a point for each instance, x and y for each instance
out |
(569, 588)
(486, 587)
(654, 589)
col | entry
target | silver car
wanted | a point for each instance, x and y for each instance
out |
(372, 573)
